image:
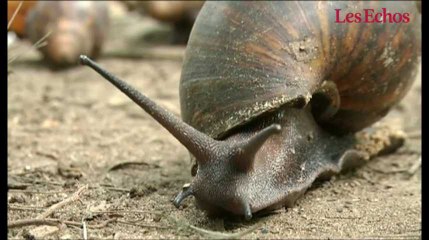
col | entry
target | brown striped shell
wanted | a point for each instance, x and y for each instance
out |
(77, 27)
(244, 59)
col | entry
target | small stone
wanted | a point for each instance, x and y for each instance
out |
(157, 218)
(264, 230)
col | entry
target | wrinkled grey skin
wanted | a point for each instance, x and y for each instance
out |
(284, 167)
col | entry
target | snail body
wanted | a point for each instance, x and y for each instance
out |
(75, 27)
(272, 94)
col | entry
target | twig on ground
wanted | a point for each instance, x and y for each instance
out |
(217, 235)
(112, 188)
(48, 155)
(214, 234)
(35, 221)
(141, 225)
(54, 222)
(118, 189)
(416, 166)
(38, 44)
(36, 192)
(66, 201)
(129, 211)
(84, 230)
(126, 164)
(24, 208)
(388, 171)
(14, 15)
(118, 212)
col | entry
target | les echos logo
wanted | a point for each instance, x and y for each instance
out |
(370, 16)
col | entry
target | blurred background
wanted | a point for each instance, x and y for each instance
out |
(62, 30)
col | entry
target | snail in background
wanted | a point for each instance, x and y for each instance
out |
(77, 27)
(180, 14)
(272, 94)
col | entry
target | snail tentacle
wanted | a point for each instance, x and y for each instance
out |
(198, 143)
(186, 192)
(247, 211)
(248, 149)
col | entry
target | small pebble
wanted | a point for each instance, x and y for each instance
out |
(157, 218)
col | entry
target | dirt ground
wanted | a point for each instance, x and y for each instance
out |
(70, 129)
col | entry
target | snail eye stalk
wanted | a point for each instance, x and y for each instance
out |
(248, 148)
(247, 211)
(198, 143)
(186, 192)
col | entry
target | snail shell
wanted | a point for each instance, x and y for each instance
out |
(244, 59)
(77, 27)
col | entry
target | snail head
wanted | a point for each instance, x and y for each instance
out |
(224, 167)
